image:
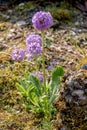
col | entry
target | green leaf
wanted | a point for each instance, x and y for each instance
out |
(21, 89)
(48, 43)
(34, 99)
(24, 84)
(36, 83)
(56, 81)
(52, 99)
(54, 93)
(59, 72)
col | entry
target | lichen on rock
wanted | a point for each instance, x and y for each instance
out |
(73, 93)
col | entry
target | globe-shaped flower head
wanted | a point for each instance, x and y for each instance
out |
(18, 54)
(42, 20)
(34, 45)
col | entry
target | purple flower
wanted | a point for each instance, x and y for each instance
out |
(34, 46)
(50, 68)
(54, 63)
(18, 54)
(42, 20)
(38, 75)
(33, 38)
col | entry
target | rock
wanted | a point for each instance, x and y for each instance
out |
(63, 128)
(72, 102)
(71, 51)
(76, 30)
(68, 99)
(12, 30)
(21, 23)
(10, 11)
(86, 91)
(12, 21)
(83, 100)
(77, 23)
(21, 4)
(73, 33)
(84, 67)
(2, 66)
(4, 16)
(1, 39)
(84, 24)
(77, 93)
(77, 85)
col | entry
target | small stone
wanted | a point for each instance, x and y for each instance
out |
(79, 30)
(83, 100)
(71, 51)
(9, 35)
(76, 23)
(2, 66)
(84, 67)
(77, 85)
(21, 23)
(12, 30)
(86, 91)
(85, 82)
(4, 16)
(77, 93)
(63, 128)
(21, 4)
(70, 88)
(69, 81)
(84, 24)
(73, 33)
(1, 39)
(10, 11)
(68, 99)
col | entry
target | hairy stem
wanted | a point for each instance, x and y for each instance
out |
(43, 59)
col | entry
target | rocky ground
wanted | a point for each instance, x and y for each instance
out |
(72, 102)
(68, 48)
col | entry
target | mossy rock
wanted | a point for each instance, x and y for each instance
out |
(60, 13)
(72, 103)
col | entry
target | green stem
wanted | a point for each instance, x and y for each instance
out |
(47, 113)
(36, 63)
(43, 59)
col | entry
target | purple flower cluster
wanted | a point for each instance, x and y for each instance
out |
(18, 54)
(34, 45)
(52, 65)
(50, 68)
(39, 75)
(42, 20)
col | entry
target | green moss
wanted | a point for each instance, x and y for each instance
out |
(13, 73)
(65, 5)
(26, 7)
(60, 14)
